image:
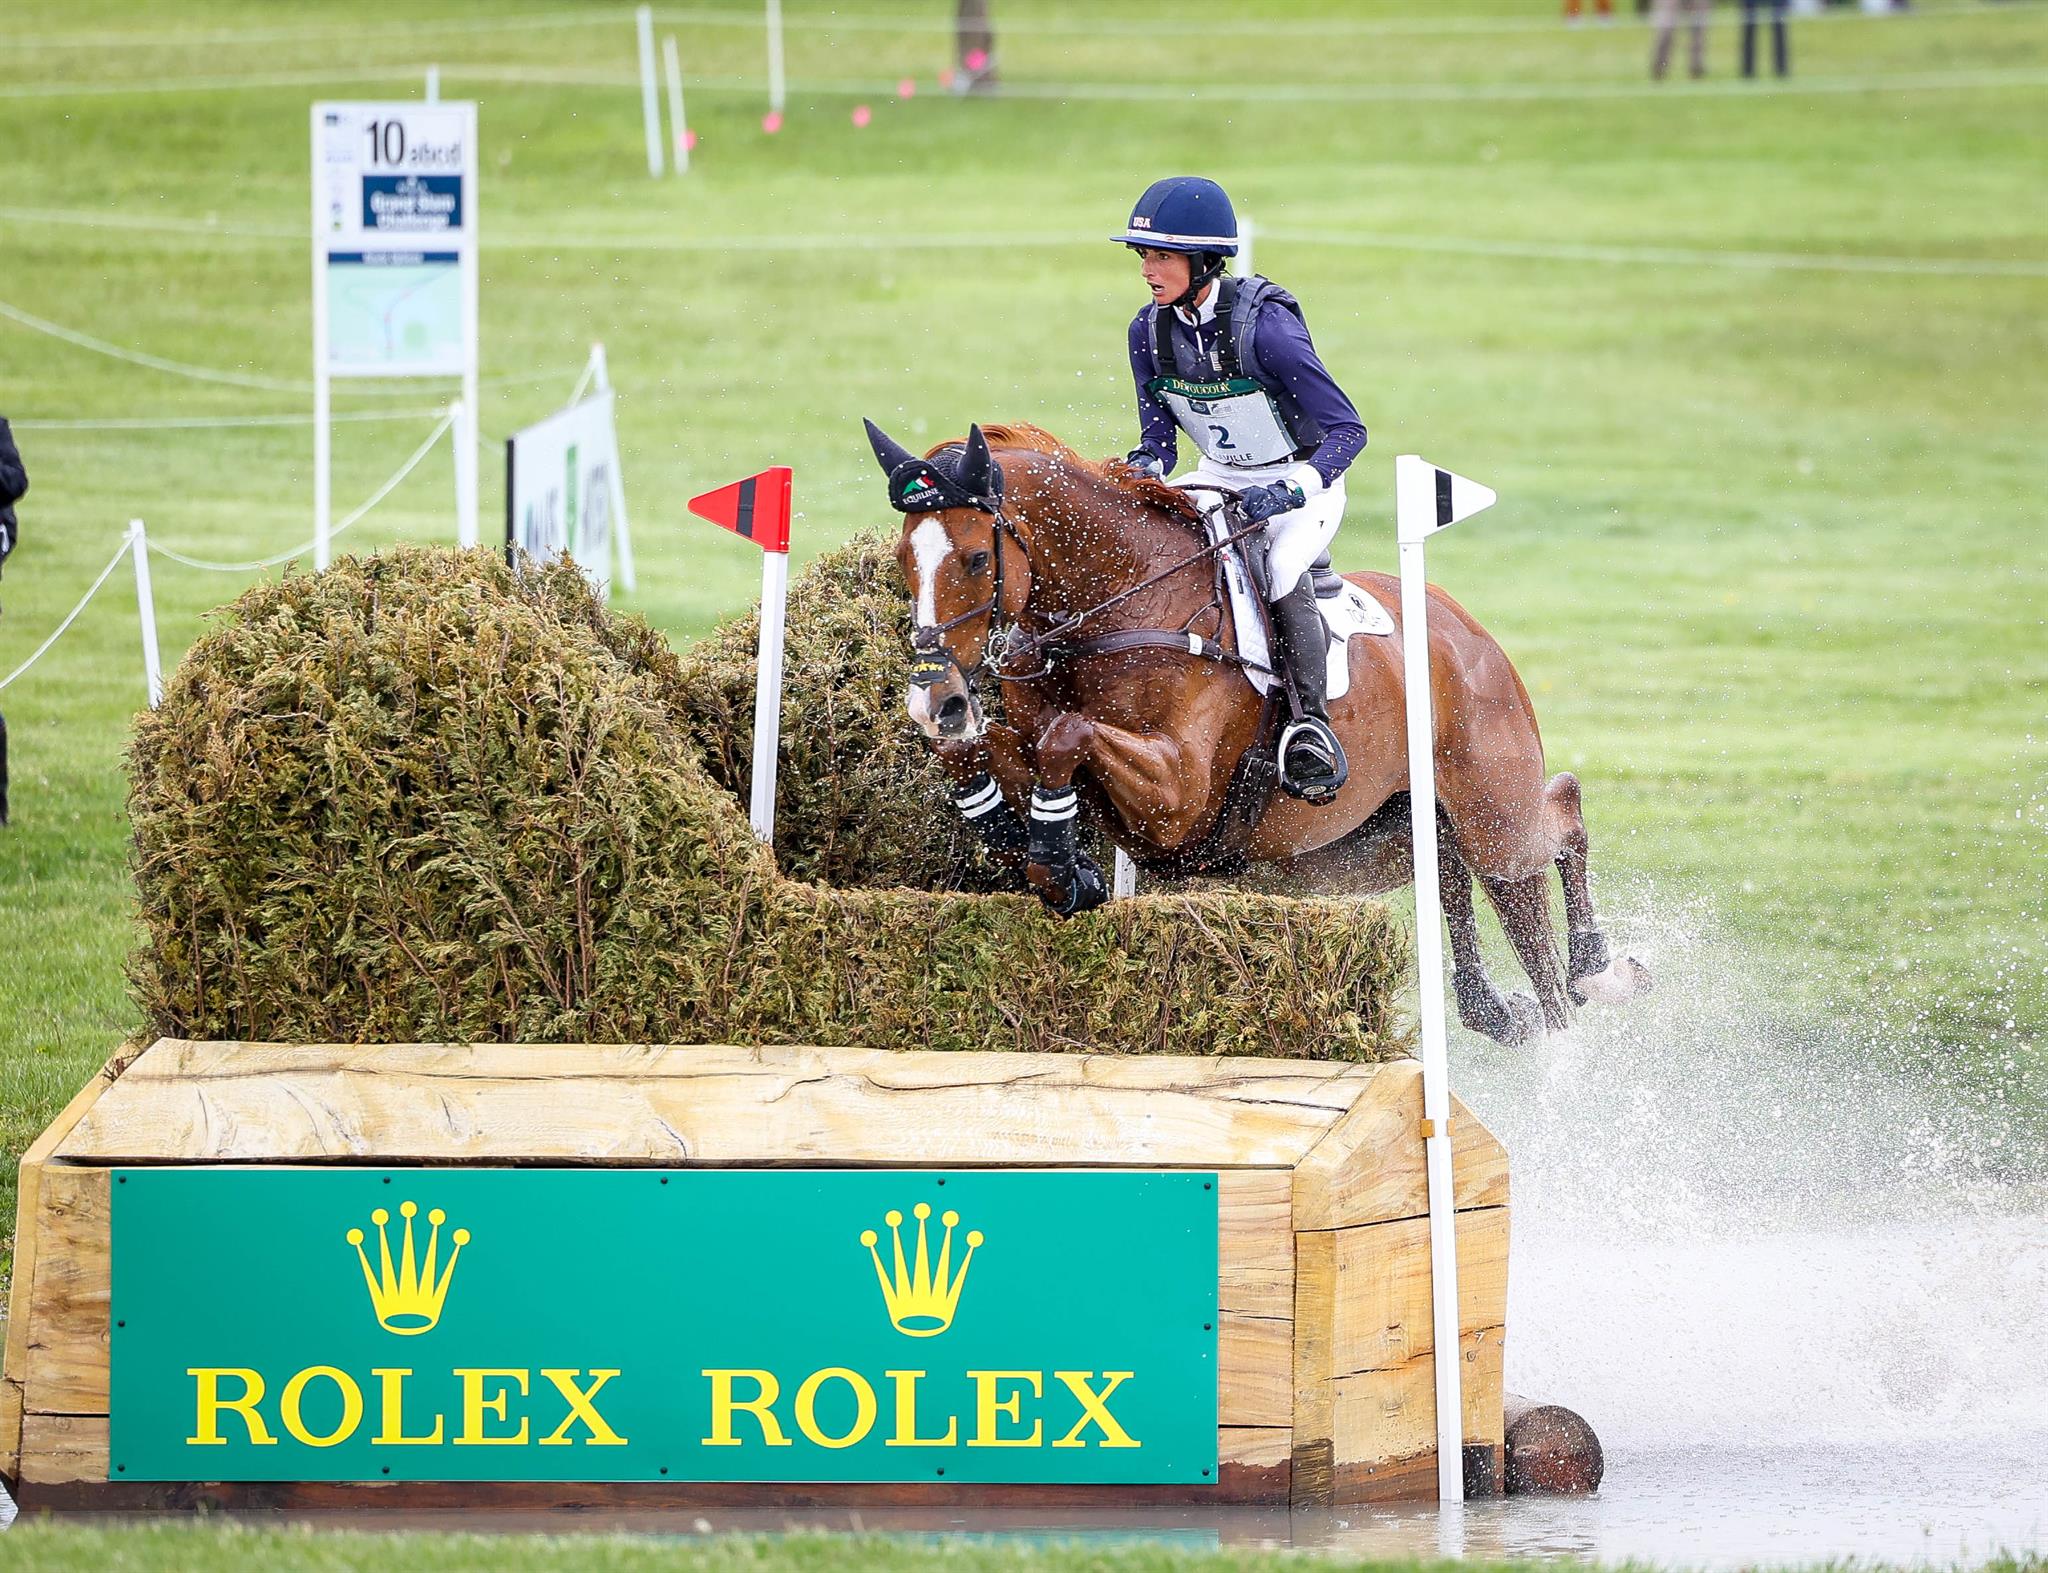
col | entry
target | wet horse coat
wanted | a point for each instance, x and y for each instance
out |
(1014, 585)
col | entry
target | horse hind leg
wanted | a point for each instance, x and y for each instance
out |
(1524, 909)
(1511, 1020)
(1590, 972)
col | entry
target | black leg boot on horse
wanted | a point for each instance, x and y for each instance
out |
(1065, 877)
(1312, 763)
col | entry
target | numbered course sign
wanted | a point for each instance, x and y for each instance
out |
(395, 266)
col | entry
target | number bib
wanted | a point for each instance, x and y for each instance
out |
(1235, 422)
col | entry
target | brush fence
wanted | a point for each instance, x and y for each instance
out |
(1321, 1348)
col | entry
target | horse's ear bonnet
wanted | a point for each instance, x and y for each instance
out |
(960, 476)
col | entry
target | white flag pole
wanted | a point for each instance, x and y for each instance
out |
(768, 692)
(145, 606)
(599, 372)
(777, 87)
(433, 84)
(1126, 878)
(1241, 264)
(1426, 499)
(678, 127)
(650, 98)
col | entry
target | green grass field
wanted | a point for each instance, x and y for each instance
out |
(1757, 370)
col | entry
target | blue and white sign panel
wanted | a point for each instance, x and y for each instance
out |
(394, 239)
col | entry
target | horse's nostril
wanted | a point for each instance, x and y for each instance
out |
(954, 709)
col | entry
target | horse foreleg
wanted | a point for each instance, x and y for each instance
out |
(1590, 974)
(1065, 877)
(985, 788)
(1515, 1019)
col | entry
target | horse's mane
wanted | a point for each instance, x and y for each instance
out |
(1136, 485)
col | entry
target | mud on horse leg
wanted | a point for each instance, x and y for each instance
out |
(1065, 877)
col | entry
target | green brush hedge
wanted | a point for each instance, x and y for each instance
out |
(419, 797)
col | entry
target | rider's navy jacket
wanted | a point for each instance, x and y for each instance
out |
(1294, 376)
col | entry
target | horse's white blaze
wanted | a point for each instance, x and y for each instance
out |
(929, 545)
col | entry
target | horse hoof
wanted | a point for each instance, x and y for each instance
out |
(1524, 1023)
(1616, 984)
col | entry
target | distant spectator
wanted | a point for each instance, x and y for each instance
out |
(1572, 8)
(1666, 14)
(13, 487)
(1780, 53)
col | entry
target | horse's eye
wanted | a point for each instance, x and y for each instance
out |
(977, 564)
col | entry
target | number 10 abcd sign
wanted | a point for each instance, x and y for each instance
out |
(394, 234)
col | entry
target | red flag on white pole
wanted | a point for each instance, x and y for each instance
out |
(758, 508)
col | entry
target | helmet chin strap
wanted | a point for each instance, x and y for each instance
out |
(1199, 278)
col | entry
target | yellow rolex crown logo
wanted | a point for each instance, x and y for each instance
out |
(407, 1299)
(921, 1299)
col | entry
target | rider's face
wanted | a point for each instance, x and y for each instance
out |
(1166, 272)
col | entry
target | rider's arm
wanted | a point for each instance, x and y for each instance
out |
(1156, 430)
(1290, 358)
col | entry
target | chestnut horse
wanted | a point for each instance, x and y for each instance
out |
(1089, 594)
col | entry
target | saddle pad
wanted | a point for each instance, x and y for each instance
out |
(1346, 614)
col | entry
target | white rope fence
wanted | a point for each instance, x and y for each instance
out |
(71, 617)
(239, 379)
(136, 542)
(217, 422)
(390, 485)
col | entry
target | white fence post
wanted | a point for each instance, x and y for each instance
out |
(622, 534)
(777, 86)
(1241, 264)
(650, 101)
(1126, 882)
(462, 432)
(145, 605)
(433, 84)
(768, 692)
(678, 127)
(1427, 499)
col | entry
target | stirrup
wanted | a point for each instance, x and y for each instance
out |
(1312, 763)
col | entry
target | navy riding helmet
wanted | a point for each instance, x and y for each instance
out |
(1188, 214)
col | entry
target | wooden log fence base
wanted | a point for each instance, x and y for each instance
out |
(1550, 1450)
(1324, 1336)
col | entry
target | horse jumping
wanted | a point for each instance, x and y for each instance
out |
(1089, 594)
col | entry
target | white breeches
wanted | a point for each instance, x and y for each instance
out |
(1296, 539)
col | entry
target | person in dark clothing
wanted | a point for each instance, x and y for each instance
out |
(1752, 10)
(13, 487)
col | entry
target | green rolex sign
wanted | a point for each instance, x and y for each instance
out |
(732, 1325)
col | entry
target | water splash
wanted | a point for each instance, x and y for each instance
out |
(1730, 1228)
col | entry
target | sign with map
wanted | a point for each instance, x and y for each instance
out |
(394, 234)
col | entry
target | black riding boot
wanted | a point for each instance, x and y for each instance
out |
(1312, 765)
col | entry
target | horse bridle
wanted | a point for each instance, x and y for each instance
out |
(931, 659)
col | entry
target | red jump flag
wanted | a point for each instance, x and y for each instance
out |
(757, 507)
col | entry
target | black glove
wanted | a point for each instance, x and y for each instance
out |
(1145, 463)
(1263, 502)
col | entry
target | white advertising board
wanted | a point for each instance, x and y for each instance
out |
(563, 492)
(395, 267)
